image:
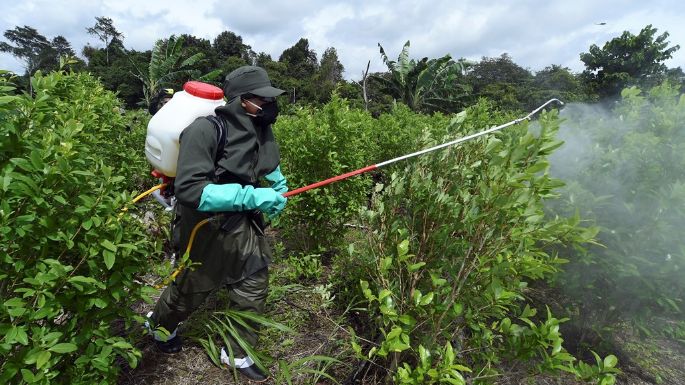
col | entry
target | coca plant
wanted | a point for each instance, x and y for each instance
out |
(319, 143)
(454, 240)
(637, 151)
(69, 256)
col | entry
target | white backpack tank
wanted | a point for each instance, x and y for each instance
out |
(162, 142)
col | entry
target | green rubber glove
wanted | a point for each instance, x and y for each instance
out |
(235, 197)
(278, 181)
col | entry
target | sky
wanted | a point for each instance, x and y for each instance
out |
(534, 33)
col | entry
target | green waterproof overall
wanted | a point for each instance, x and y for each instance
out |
(231, 249)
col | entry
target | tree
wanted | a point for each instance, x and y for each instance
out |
(329, 74)
(501, 80)
(37, 52)
(556, 81)
(105, 31)
(424, 84)
(118, 74)
(30, 46)
(497, 70)
(62, 46)
(627, 60)
(301, 61)
(193, 45)
(228, 44)
(676, 76)
(330, 68)
(62, 49)
(262, 59)
(556, 77)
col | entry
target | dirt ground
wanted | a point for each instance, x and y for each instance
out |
(298, 306)
(318, 330)
(643, 362)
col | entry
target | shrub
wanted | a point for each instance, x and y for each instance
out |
(452, 243)
(69, 257)
(317, 144)
(624, 168)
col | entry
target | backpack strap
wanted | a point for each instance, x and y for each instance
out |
(220, 126)
(221, 133)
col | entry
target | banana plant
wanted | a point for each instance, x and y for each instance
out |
(422, 84)
(166, 64)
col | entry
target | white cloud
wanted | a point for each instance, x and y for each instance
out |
(535, 33)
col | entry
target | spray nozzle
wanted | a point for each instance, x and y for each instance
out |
(535, 111)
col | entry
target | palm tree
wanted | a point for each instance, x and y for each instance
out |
(423, 84)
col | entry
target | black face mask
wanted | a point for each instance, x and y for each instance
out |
(267, 114)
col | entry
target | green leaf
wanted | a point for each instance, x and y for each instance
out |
(108, 245)
(36, 159)
(394, 333)
(416, 266)
(551, 146)
(528, 312)
(99, 302)
(461, 368)
(14, 302)
(427, 299)
(403, 248)
(386, 263)
(28, 376)
(109, 258)
(122, 345)
(398, 346)
(16, 311)
(537, 167)
(416, 297)
(437, 281)
(407, 320)
(63, 348)
(6, 180)
(24, 165)
(424, 357)
(82, 279)
(60, 199)
(493, 144)
(610, 361)
(42, 358)
(11, 334)
(356, 348)
(387, 310)
(21, 336)
(448, 358)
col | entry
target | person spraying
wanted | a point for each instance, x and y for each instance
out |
(220, 179)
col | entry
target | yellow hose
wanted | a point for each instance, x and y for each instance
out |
(141, 196)
(186, 255)
(148, 192)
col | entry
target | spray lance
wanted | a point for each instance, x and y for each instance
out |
(186, 256)
(403, 157)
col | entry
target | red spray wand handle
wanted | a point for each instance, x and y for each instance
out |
(330, 180)
(387, 162)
